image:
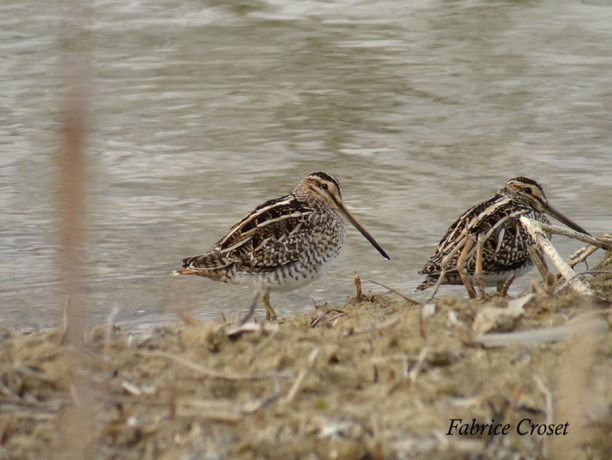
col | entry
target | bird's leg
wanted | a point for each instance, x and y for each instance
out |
(469, 244)
(539, 261)
(270, 313)
(478, 270)
(252, 307)
(436, 286)
(502, 287)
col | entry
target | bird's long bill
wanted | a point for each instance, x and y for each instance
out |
(362, 230)
(565, 220)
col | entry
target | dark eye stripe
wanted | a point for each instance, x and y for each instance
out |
(326, 177)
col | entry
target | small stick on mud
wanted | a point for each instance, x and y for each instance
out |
(405, 297)
(339, 315)
(321, 315)
(536, 231)
(414, 372)
(188, 319)
(316, 305)
(299, 381)
(357, 279)
(108, 337)
(65, 321)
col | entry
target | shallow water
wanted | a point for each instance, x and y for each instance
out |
(203, 110)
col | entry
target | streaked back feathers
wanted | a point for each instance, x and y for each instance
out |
(496, 220)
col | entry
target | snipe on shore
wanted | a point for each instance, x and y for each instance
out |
(283, 244)
(488, 244)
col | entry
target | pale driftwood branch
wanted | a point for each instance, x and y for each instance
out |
(599, 242)
(536, 231)
(587, 324)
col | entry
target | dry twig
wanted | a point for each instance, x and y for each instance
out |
(357, 279)
(299, 381)
(190, 320)
(321, 315)
(535, 229)
(414, 372)
(405, 297)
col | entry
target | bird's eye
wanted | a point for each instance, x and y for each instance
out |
(528, 190)
(324, 186)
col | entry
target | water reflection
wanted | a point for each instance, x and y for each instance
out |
(202, 110)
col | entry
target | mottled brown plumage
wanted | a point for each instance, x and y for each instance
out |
(284, 243)
(504, 239)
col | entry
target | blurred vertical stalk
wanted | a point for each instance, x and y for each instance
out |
(77, 424)
(72, 175)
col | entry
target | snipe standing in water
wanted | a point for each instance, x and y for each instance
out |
(488, 244)
(283, 244)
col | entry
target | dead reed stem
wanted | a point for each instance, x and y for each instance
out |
(77, 422)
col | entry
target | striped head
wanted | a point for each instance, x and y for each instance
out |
(527, 190)
(325, 188)
(530, 192)
(321, 186)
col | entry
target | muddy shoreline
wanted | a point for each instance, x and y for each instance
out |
(371, 379)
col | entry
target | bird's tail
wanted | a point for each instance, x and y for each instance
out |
(213, 265)
(424, 285)
(184, 271)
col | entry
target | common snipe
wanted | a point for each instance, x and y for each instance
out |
(283, 244)
(488, 244)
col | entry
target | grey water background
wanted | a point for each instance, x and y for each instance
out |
(201, 110)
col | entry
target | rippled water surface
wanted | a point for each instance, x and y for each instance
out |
(201, 110)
